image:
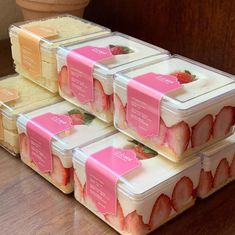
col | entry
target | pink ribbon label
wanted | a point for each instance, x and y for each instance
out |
(103, 169)
(144, 94)
(81, 63)
(40, 131)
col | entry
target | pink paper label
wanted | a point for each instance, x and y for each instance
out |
(103, 169)
(80, 63)
(40, 131)
(144, 94)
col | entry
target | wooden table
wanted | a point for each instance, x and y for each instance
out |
(30, 205)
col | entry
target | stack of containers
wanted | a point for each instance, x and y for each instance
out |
(34, 45)
(173, 106)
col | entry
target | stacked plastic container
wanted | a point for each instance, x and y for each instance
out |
(168, 108)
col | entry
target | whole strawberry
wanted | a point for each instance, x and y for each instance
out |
(184, 77)
(142, 152)
(119, 50)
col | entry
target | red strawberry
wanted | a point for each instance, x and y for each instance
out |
(64, 81)
(142, 152)
(161, 211)
(223, 122)
(117, 221)
(182, 193)
(101, 100)
(183, 77)
(222, 173)
(117, 50)
(205, 183)
(60, 174)
(232, 167)
(160, 139)
(119, 113)
(24, 146)
(78, 189)
(134, 224)
(201, 132)
(77, 119)
(178, 137)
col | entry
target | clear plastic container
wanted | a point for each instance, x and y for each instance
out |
(192, 117)
(218, 167)
(125, 52)
(31, 97)
(27, 45)
(86, 130)
(148, 196)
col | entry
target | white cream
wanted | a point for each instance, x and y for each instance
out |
(79, 136)
(142, 53)
(209, 85)
(158, 173)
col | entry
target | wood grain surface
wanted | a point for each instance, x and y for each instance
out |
(203, 30)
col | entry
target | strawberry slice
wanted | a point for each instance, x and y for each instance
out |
(184, 77)
(161, 211)
(78, 189)
(205, 183)
(134, 224)
(160, 139)
(178, 137)
(101, 100)
(221, 173)
(117, 221)
(24, 147)
(182, 193)
(111, 104)
(223, 122)
(232, 167)
(60, 174)
(119, 113)
(63, 81)
(142, 152)
(201, 132)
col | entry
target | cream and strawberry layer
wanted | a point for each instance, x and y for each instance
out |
(147, 197)
(86, 129)
(218, 167)
(195, 116)
(69, 29)
(30, 97)
(139, 53)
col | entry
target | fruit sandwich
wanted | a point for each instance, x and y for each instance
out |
(218, 167)
(34, 45)
(49, 135)
(175, 106)
(131, 187)
(86, 70)
(18, 95)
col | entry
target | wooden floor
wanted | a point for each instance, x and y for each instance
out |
(30, 205)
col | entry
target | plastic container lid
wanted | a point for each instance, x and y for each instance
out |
(134, 52)
(154, 174)
(90, 130)
(208, 86)
(68, 27)
(31, 96)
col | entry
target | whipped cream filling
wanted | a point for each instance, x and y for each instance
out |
(158, 173)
